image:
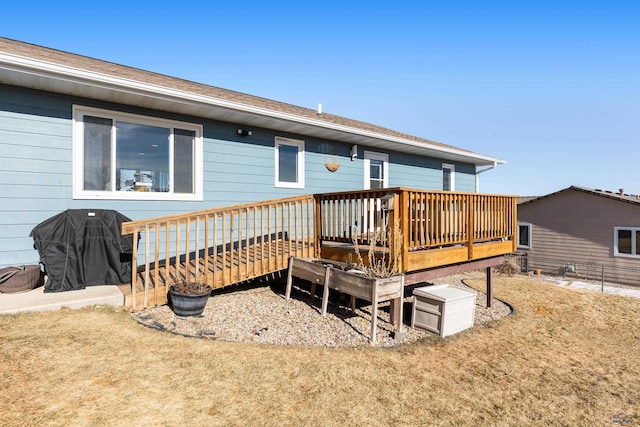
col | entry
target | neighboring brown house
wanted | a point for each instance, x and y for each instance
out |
(582, 232)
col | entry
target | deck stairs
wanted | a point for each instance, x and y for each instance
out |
(222, 246)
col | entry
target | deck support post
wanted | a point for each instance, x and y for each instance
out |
(395, 312)
(287, 293)
(489, 287)
(325, 291)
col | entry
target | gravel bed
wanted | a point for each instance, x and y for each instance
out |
(261, 315)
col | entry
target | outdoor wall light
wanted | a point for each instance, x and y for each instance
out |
(244, 132)
(354, 152)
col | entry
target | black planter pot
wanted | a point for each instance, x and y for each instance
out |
(188, 304)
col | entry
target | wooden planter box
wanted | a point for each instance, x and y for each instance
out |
(331, 276)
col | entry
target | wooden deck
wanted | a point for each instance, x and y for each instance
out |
(419, 230)
(426, 258)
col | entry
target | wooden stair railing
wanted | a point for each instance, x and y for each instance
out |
(220, 246)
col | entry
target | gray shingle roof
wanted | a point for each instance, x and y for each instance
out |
(619, 196)
(54, 56)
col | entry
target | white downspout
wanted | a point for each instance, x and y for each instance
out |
(495, 163)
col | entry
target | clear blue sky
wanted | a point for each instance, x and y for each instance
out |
(553, 87)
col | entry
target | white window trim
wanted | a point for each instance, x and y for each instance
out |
(78, 157)
(453, 175)
(635, 245)
(384, 158)
(300, 177)
(528, 225)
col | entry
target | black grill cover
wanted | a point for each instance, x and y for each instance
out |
(83, 247)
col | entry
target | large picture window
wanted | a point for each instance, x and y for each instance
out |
(627, 241)
(122, 156)
(289, 161)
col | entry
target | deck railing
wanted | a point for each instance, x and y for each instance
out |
(219, 246)
(426, 219)
(223, 246)
(446, 218)
(352, 216)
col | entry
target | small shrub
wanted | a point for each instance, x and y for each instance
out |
(185, 287)
(383, 265)
(509, 267)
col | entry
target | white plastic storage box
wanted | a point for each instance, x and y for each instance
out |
(442, 309)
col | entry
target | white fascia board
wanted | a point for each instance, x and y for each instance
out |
(80, 76)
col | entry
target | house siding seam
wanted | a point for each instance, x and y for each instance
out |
(36, 150)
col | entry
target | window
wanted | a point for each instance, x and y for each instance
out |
(123, 156)
(524, 236)
(448, 177)
(289, 157)
(626, 241)
(376, 170)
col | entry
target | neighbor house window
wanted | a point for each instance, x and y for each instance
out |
(626, 241)
(289, 161)
(123, 156)
(524, 236)
(448, 177)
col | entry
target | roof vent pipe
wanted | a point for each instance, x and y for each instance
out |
(621, 191)
(319, 109)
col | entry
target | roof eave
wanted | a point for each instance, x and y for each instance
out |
(43, 75)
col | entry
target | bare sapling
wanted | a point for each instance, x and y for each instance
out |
(381, 263)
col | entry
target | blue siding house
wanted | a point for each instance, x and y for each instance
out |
(77, 132)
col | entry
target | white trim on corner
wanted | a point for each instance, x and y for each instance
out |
(300, 162)
(78, 157)
(373, 155)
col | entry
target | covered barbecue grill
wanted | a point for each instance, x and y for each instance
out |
(83, 247)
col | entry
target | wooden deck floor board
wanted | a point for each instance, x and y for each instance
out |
(223, 269)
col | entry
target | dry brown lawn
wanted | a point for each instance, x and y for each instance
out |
(566, 357)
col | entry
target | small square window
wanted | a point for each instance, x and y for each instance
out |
(376, 170)
(524, 236)
(448, 177)
(289, 163)
(626, 241)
